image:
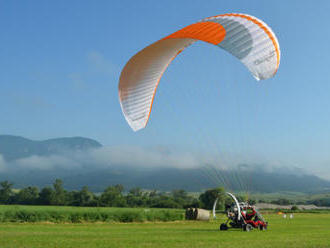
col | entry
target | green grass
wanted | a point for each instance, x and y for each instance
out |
(16, 213)
(305, 230)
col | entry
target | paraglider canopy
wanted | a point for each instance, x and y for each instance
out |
(244, 36)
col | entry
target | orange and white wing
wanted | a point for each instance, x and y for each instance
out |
(246, 37)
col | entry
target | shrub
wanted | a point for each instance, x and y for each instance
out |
(294, 208)
(86, 214)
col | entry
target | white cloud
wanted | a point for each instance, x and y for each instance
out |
(77, 81)
(29, 102)
(99, 64)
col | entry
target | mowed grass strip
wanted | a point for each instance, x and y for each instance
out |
(304, 230)
(60, 214)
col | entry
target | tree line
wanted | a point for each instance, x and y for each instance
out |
(116, 196)
(112, 196)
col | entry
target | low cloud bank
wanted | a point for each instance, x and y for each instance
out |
(133, 156)
(46, 163)
(106, 157)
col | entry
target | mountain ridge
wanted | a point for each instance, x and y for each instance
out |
(15, 147)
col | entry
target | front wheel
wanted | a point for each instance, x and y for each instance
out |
(223, 227)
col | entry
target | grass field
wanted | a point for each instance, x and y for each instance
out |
(305, 230)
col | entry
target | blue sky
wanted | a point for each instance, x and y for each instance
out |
(61, 60)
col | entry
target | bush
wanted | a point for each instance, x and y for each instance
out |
(294, 208)
(86, 214)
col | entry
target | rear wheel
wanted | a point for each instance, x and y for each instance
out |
(223, 227)
(247, 227)
(263, 227)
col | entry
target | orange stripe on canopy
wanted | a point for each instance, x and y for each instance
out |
(210, 32)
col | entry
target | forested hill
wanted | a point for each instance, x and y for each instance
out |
(195, 180)
(166, 179)
(16, 147)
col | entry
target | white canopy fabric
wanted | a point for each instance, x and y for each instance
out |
(244, 36)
